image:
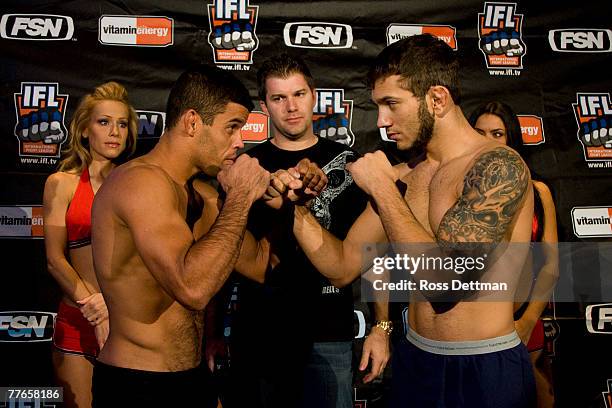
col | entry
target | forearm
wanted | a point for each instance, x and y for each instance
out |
(68, 279)
(399, 222)
(211, 259)
(325, 251)
(254, 258)
(381, 310)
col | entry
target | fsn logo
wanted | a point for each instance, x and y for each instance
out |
(580, 40)
(40, 128)
(318, 35)
(232, 31)
(500, 33)
(332, 116)
(593, 113)
(599, 318)
(151, 124)
(26, 326)
(36, 27)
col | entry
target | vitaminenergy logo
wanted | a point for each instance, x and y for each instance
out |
(446, 33)
(592, 222)
(21, 222)
(232, 31)
(136, 31)
(593, 113)
(37, 27)
(256, 128)
(532, 129)
(40, 128)
(318, 35)
(332, 116)
(501, 38)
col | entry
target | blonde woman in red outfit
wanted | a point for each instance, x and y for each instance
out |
(102, 134)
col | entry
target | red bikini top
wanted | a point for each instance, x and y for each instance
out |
(78, 216)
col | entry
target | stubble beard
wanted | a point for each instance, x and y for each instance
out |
(426, 126)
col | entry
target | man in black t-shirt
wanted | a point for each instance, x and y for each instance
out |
(292, 338)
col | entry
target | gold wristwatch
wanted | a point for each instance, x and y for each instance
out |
(385, 325)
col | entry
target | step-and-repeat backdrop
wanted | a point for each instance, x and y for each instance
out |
(557, 79)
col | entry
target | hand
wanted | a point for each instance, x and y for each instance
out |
(281, 181)
(375, 348)
(93, 308)
(237, 34)
(313, 178)
(101, 330)
(214, 347)
(524, 328)
(372, 171)
(245, 177)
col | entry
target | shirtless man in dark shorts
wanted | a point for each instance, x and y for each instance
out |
(468, 190)
(159, 265)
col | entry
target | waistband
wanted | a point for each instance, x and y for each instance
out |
(463, 348)
(122, 372)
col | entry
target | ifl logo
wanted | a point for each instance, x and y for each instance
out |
(40, 128)
(500, 33)
(594, 117)
(232, 31)
(332, 116)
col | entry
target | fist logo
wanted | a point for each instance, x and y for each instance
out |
(333, 127)
(237, 34)
(44, 124)
(503, 42)
(597, 132)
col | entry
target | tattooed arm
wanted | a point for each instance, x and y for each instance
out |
(494, 189)
(493, 192)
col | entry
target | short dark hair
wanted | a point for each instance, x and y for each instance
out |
(422, 61)
(514, 138)
(282, 66)
(207, 90)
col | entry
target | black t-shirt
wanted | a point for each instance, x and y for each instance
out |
(294, 292)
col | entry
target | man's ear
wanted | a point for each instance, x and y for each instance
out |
(263, 107)
(190, 121)
(439, 100)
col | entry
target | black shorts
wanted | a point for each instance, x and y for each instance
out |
(125, 387)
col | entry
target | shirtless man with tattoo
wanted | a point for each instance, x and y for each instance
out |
(468, 190)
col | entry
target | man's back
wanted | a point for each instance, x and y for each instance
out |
(149, 329)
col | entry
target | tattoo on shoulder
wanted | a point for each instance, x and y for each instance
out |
(493, 190)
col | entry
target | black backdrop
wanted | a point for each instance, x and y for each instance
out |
(52, 52)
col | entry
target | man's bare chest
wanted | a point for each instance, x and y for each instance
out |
(432, 192)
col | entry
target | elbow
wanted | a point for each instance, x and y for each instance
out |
(53, 266)
(341, 282)
(192, 300)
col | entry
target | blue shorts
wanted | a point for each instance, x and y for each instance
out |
(492, 373)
